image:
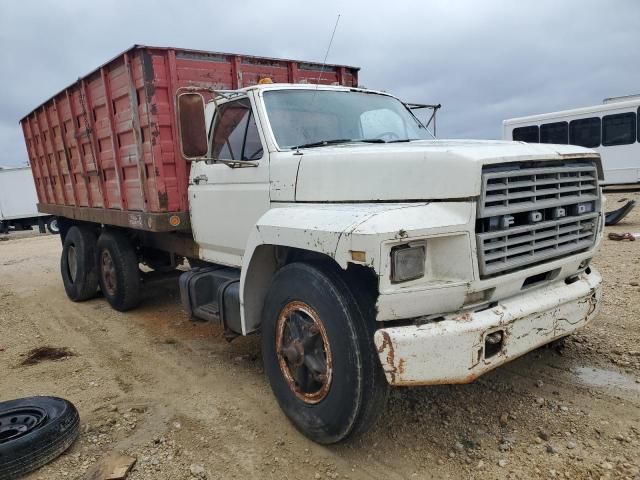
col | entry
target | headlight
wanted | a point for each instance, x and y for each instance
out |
(407, 263)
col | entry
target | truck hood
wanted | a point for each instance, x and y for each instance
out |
(418, 170)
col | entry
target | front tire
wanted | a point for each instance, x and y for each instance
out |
(119, 273)
(319, 354)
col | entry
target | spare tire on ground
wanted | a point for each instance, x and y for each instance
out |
(34, 431)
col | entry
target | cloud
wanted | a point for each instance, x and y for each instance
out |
(484, 61)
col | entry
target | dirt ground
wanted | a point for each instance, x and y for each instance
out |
(175, 395)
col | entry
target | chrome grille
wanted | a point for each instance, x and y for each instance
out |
(529, 214)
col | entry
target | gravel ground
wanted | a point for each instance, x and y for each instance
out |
(186, 404)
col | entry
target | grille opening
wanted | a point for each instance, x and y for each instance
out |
(534, 212)
(493, 343)
(539, 278)
(572, 279)
(520, 189)
(545, 196)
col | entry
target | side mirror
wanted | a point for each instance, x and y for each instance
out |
(193, 129)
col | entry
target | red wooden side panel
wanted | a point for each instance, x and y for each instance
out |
(110, 139)
(158, 71)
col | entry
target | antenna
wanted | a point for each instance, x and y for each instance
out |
(315, 90)
(324, 62)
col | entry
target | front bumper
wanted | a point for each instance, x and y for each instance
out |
(454, 350)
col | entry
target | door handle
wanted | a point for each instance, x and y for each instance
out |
(200, 178)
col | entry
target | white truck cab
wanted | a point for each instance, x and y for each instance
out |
(369, 254)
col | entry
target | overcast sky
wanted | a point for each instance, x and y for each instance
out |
(483, 60)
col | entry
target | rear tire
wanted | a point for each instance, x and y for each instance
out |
(78, 264)
(119, 275)
(319, 354)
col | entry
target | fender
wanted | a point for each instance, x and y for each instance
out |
(329, 229)
(313, 227)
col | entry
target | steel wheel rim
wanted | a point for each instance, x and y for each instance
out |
(54, 226)
(108, 271)
(18, 422)
(303, 351)
(72, 263)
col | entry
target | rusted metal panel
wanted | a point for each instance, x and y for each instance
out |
(110, 139)
(63, 150)
(110, 134)
(180, 243)
(453, 349)
(152, 222)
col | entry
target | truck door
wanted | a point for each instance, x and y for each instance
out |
(226, 202)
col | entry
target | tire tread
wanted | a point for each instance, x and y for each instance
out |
(128, 293)
(86, 285)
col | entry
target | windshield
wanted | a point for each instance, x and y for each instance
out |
(320, 117)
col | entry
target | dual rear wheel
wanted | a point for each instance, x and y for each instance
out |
(108, 261)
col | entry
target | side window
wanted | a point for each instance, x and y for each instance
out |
(585, 132)
(235, 134)
(252, 145)
(557, 132)
(619, 129)
(526, 134)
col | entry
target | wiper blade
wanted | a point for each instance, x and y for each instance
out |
(322, 143)
(370, 140)
(403, 140)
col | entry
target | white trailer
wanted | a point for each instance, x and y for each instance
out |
(612, 129)
(18, 202)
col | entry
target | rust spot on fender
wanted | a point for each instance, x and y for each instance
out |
(402, 233)
(385, 342)
(593, 299)
(389, 365)
(442, 381)
(401, 366)
(465, 317)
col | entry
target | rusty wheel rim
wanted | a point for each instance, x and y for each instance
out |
(303, 351)
(108, 271)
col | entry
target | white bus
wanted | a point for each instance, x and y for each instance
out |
(612, 129)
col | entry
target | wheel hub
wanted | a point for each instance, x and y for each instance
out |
(20, 421)
(108, 272)
(303, 350)
(72, 263)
